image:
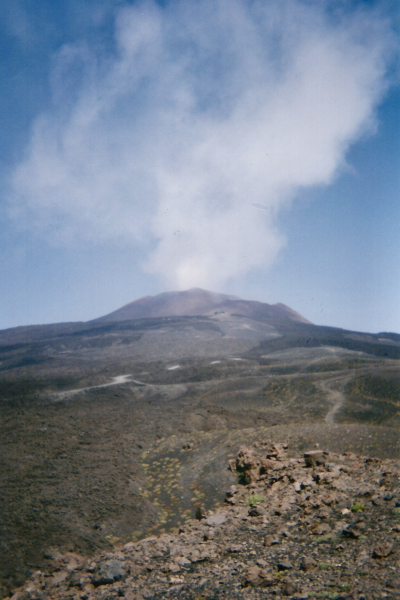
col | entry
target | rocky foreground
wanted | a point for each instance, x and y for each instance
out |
(318, 526)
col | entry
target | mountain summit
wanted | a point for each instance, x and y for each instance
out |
(196, 302)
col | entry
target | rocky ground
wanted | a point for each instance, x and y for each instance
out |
(320, 525)
(94, 418)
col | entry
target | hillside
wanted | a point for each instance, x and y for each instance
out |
(94, 416)
(321, 525)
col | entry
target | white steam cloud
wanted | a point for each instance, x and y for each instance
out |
(206, 111)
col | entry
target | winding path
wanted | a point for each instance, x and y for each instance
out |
(118, 380)
(335, 396)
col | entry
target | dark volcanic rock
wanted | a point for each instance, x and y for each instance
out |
(383, 549)
(253, 576)
(314, 458)
(308, 563)
(200, 513)
(288, 588)
(108, 572)
(354, 530)
(284, 565)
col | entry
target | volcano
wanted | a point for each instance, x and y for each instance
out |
(196, 302)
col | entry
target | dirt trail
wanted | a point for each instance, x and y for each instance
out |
(118, 380)
(335, 396)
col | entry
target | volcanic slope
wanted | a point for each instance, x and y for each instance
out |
(116, 429)
(321, 525)
(200, 302)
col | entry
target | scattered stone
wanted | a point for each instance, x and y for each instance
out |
(253, 576)
(230, 495)
(314, 458)
(234, 548)
(393, 583)
(354, 530)
(213, 556)
(256, 511)
(262, 563)
(267, 580)
(232, 491)
(200, 513)
(288, 588)
(297, 486)
(284, 565)
(271, 540)
(382, 550)
(308, 563)
(216, 519)
(75, 579)
(108, 572)
(171, 567)
(197, 556)
(252, 467)
(377, 501)
(321, 529)
(182, 561)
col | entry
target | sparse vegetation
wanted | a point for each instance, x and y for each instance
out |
(254, 499)
(373, 398)
(327, 539)
(104, 465)
(325, 566)
(357, 507)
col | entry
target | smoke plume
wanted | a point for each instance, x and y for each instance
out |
(205, 112)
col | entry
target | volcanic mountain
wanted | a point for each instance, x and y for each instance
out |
(195, 302)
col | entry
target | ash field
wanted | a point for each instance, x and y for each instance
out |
(120, 428)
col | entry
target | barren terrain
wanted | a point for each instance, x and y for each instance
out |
(114, 431)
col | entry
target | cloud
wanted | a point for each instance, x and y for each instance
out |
(16, 23)
(204, 111)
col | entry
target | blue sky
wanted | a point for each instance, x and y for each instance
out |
(243, 146)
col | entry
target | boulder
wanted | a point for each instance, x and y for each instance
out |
(288, 588)
(216, 519)
(383, 549)
(284, 565)
(256, 511)
(253, 576)
(308, 563)
(314, 458)
(108, 572)
(200, 513)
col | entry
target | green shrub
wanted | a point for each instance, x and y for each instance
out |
(254, 499)
(357, 506)
(325, 566)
